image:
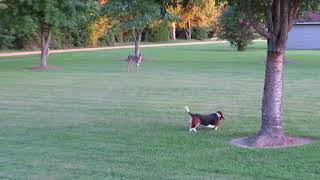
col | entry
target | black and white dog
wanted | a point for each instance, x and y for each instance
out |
(209, 121)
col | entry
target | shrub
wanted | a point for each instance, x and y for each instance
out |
(159, 33)
(69, 37)
(79, 36)
(236, 29)
(200, 33)
(6, 38)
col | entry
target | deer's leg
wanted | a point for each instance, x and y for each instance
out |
(138, 67)
(129, 66)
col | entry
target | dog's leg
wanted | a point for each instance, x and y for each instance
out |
(194, 128)
(217, 125)
(194, 124)
(210, 126)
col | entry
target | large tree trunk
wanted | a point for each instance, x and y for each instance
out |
(279, 16)
(45, 42)
(271, 132)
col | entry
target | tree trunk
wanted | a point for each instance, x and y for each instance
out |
(271, 132)
(173, 34)
(279, 18)
(136, 48)
(45, 42)
(137, 43)
(240, 47)
(188, 31)
(137, 34)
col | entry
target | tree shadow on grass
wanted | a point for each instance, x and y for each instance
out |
(225, 49)
(145, 59)
(39, 68)
(287, 61)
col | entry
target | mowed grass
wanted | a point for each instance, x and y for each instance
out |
(93, 120)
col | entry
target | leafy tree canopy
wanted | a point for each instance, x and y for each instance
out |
(52, 13)
(134, 14)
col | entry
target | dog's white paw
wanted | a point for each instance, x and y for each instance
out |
(192, 129)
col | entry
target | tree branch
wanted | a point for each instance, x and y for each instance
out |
(276, 16)
(134, 34)
(260, 29)
(269, 19)
(284, 28)
(293, 12)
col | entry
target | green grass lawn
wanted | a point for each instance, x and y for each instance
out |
(93, 120)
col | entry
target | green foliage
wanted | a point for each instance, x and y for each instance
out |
(159, 33)
(110, 37)
(69, 37)
(164, 5)
(79, 36)
(136, 14)
(24, 20)
(259, 8)
(2, 6)
(28, 18)
(22, 28)
(235, 28)
(51, 13)
(200, 33)
(310, 5)
(6, 38)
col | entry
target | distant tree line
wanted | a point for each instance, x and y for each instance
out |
(26, 24)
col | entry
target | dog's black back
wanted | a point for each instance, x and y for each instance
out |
(209, 119)
(206, 120)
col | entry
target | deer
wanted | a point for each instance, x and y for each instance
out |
(134, 59)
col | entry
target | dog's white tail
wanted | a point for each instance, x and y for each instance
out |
(187, 109)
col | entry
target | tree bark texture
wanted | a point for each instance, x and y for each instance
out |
(271, 132)
(279, 15)
(188, 31)
(45, 42)
(173, 33)
(137, 34)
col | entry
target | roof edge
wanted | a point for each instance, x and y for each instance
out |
(307, 23)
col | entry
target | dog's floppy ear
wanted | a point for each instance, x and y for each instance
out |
(221, 113)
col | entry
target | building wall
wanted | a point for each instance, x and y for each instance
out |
(304, 36)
